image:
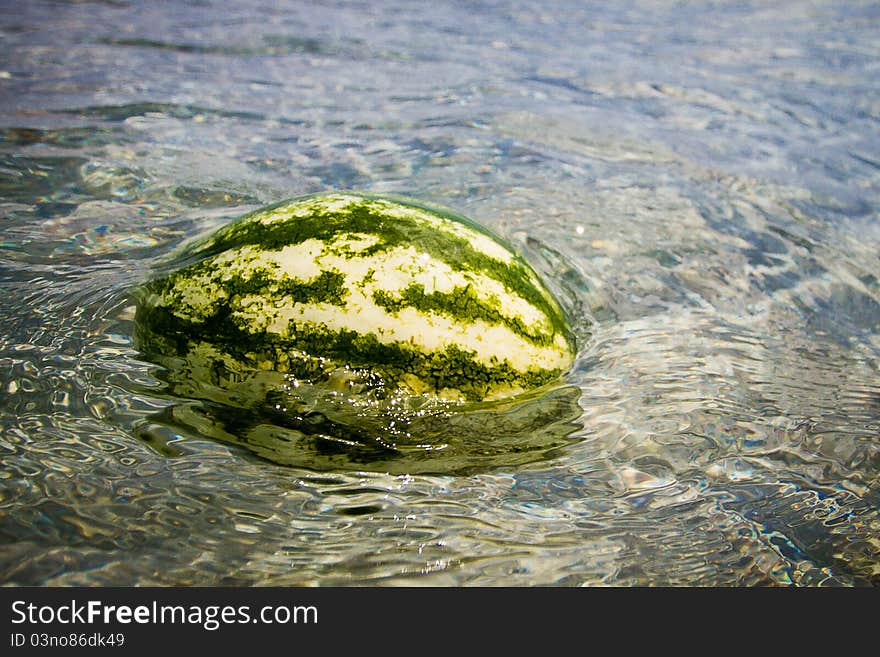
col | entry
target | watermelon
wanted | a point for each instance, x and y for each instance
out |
(354, 291)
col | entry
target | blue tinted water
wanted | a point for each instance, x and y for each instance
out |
(702, 181)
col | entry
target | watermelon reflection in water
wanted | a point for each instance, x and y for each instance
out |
(355, 330)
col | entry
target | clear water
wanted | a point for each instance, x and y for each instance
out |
(702, 181)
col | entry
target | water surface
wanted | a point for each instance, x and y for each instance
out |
(700, 182)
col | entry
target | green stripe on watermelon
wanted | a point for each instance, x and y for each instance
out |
(459, 303)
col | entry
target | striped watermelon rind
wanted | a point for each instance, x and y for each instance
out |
(398, 294)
